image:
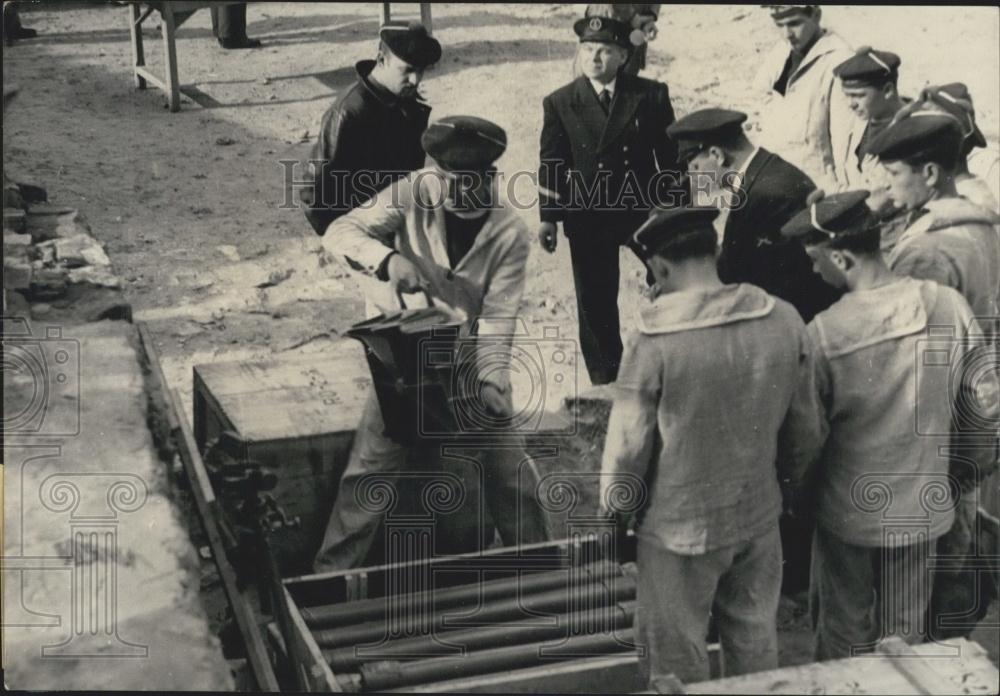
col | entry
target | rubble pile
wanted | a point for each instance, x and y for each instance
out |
(54, 268)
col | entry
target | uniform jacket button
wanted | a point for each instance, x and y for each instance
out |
(600, 165)
(624, 148)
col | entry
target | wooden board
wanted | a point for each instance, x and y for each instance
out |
(956, 667)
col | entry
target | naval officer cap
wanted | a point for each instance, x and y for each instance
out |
(923, 134)
(464, 143)
(603, 30)
(411, 42)
(868, 68)
(703, 128)
(828, 218)
(666, 226)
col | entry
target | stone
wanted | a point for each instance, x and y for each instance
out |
(13, 239)
(48, 283)
(16, 274)
(54, 222)
(13, 220)
(229, 251)
(95, 276)
(79, 250)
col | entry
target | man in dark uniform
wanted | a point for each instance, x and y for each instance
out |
(762, 193)
(603, 146)
(371, 134)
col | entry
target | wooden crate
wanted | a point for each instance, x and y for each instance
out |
(600, 674)
(300, 414)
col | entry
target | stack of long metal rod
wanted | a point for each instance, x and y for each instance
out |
(479, 628)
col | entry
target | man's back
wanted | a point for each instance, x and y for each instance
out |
(888, 407)
(718, 370)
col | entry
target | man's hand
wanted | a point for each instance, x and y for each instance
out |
(547, 236)
(495, 400)
(403, 275)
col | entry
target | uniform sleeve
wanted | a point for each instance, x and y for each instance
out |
(333, 158)
(630, 444)
(839, 121)
(556, 160)
(926, 263)
(806, 424)
(501, 303)
(366, 236)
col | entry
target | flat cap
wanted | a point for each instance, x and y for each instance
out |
(699, 129)
(830, 217)
(868, 68)
(782, 11)
(411, 42)
(664, 226)
(922, 132)
(603, 30)
(464, 143)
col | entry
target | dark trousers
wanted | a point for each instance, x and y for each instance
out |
(230, 21)
(596, 276)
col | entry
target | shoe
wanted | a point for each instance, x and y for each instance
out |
(240, 43)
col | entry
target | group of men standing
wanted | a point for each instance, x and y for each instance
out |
(790, 355)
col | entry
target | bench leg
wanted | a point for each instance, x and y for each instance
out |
(386, 12)
(138, 55)
(170, 57)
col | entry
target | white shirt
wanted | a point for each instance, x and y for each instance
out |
(599, 87)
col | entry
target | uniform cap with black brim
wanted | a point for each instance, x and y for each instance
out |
(700, 129)
(603, 30)
(464, 143)
(782, 11)
(830, 217)
(411, 42)
(663, 226)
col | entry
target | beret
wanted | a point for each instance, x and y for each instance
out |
(830, 217)
(464, 143)
(953, 98)
(921, 132)
(411, 42)
(663, 226)
(603, 30)
(699, 129)
(782, 11)
(868, 68)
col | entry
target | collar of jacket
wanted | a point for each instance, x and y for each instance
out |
(828, 42)
(699, 309)
(942, 213)
(867, 317)
(380, 93)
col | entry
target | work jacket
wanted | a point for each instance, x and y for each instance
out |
(703, 410)
(885, 389)
(955, 243)
(487, 283)
(368, 137)
(812, 120)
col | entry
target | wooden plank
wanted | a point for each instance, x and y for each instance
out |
(138, 54)
(209, 512)
(151, 77)
(963, 664)
(253, 376)
(311, 671)
(914, 667)
(617, 674)
(149, 348)
(168, 29)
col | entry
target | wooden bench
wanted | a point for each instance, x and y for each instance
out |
(169, 11)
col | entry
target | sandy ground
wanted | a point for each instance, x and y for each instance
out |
(192, 207)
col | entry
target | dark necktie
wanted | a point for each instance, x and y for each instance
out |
(605, 98)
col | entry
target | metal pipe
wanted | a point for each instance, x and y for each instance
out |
(560, 601)
(377, 608)
(379, 676)
(613, 616)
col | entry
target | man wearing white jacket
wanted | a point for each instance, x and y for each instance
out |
(805, 117)
(442, 230)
